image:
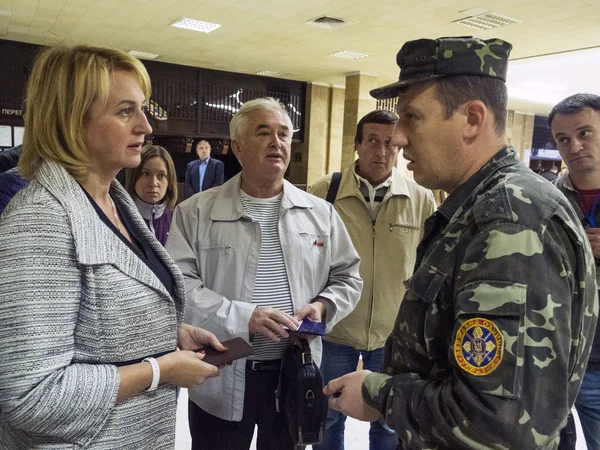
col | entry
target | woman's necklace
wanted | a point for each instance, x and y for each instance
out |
(117, 220)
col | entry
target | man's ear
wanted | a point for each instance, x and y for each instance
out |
(477, 115)
(236, 148)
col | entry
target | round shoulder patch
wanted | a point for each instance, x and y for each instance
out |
(478, 347)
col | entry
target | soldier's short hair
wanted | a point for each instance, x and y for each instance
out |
(574, 104)
(378, 116)
(453, 91)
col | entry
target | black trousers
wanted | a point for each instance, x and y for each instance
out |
(211, 433)
(568, 435)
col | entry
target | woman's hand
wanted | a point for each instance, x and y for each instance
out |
(185, 369)
(193, 338)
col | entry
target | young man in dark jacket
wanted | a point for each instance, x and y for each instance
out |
(9, 158)
(10, 180)
(575, 125)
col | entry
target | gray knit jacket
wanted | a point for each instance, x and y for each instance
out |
(75, 300)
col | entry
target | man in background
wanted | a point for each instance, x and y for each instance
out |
(384, 213)
(575, 125)
(204, 173)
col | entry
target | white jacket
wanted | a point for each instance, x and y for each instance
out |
(217, 248)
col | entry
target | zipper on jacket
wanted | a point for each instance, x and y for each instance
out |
(402, 226)
(373, 223)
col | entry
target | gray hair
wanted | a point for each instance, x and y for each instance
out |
(238, 123)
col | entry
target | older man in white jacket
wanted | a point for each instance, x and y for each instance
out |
(258, 255)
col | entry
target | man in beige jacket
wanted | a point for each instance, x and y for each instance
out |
(384, 213)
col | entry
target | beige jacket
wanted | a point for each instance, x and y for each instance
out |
(387, 248)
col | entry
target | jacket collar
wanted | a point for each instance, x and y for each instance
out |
(504, 157)
(565, 185)
(228, 206)
(95, 243)
(565, 182)
(148, 211)
(350, 186)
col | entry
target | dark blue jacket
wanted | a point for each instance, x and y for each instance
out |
(212, 177)
(9, 158)
(10, 183)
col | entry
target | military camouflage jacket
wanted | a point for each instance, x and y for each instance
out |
(494, 332)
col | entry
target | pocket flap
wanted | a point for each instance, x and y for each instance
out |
(426, 283)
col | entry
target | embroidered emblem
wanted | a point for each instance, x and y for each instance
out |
(478, 347)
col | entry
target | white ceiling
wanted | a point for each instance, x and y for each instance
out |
(261, 35)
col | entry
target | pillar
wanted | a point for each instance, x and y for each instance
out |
(357, 103)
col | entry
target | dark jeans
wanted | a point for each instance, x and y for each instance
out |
(587, 405)
(338, 360)
(568, 435)
(211, 433)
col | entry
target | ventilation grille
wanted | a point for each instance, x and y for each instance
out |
(486, 21)
(329, 23)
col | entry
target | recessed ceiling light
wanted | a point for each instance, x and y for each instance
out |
(270, 73)
(143, 55)
(486, 21)
(195, 25)
(348, 54)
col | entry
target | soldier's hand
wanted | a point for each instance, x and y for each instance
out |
(593, 235)
(270, 321)
(346, 396)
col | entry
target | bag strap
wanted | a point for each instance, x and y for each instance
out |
(334, 187)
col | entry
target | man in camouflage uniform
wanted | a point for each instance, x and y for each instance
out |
(494, 332)
(575, 125)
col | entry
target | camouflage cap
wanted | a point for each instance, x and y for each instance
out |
(427, 59)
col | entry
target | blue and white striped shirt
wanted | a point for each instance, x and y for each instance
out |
(272, 288)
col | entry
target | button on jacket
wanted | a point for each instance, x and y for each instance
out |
(217, 247)
(494, 332)
(387, 248)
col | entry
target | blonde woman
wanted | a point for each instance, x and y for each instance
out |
(90, 302)
(153, 187)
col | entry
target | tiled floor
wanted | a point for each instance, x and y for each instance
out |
(357, 433)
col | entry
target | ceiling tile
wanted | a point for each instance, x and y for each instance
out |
(271, 34)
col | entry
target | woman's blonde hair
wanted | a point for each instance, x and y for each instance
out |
(63, 85)
(149, 152)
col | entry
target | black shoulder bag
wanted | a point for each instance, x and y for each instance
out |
(300, 395)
